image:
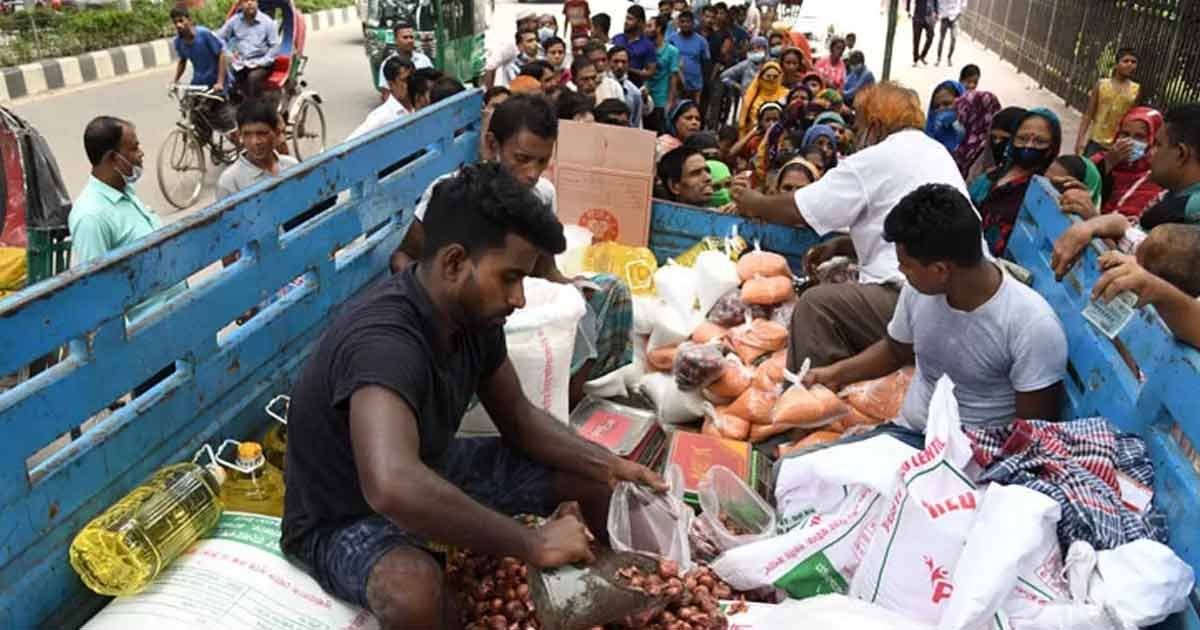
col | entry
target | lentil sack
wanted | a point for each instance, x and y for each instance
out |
(882, 398)
(662, 359)
(708, 331)
(767, 291)
(727, 424)
(734, 380)
(541, 339)
(807, 407)
(756, 339)
(697, 365)
(716, 276)
(764, 264)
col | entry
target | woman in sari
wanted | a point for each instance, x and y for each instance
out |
(683, 121)
(941, 123)
(767, 87)
(792, 120)
(1125, 167)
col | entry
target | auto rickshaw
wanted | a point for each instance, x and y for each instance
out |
(450, 32)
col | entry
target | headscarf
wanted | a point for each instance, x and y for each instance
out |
(818, 131)
(830, 117)
(792, 119)
(830, 96)
(680, 107)
(1132, 191)
(1093, 180)
(759, 92)
(796, 89)
(1055, 136)
(944, 128)
(976, 111)
(765, 107)
(814, 172)
(813, 75)
(720, 173)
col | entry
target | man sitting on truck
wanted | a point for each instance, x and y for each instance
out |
(376, 477)
(396, 70)
(405, 48)
(960, 315)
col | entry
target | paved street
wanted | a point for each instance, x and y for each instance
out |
(337, 70)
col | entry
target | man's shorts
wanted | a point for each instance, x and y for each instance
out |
(341, 558)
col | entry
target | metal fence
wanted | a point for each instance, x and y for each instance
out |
(1066, 45)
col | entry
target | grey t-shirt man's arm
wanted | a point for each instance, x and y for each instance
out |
(1012, 343)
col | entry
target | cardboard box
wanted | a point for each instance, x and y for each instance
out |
(628, 432)
(695, 453)
(604, 178)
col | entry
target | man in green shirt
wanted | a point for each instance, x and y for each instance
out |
(108, 213)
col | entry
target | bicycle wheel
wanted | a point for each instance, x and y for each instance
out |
(308, 130)
(181, 168)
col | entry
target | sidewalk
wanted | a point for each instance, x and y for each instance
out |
(999, 77)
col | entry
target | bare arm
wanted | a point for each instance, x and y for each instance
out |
(1071, 243)
(880, 359)
(397, 484)
(770, 208)
(1086, 123)
(1043, 404)
(489, 78)
(544, 439)
(179, 68)
(222, 69)
(1180, 311)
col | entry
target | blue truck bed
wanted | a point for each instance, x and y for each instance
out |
(225, 375)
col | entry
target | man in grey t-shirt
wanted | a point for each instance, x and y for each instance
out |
(959, 315)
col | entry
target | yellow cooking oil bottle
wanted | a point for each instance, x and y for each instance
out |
(274, 442)
(123, 549)
(253, 484)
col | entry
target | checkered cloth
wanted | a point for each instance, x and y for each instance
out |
(1075, 463)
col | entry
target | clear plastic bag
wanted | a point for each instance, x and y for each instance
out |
(757, 338)
(767, 291)
(717, 275)
(708, 331)
(729, 310)
(807, 407)
(882, 398)
(662, 359)
(640, 519)
(672, 405)
(677, 285)
(727, 424)
(838, 270)
(698, 365)
(734, 380)
(755, 405)
(760, 263)
(732, 511)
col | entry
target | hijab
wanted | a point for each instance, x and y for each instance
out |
(944, 125)
(680, 108)
(817, 132)
(1055, 138)
(814, 172)
(720, 174)
(759, 92)
(792, 119)
(976, 112)
(1008, 120)
(1132, 191)
(830, 117)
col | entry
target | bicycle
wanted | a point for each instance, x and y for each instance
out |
(182, 155)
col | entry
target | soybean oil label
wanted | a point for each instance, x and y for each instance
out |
(256, 530)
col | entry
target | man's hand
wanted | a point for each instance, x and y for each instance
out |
(218, 87)
(562, 540)
(827, 376)
(625, 470)
(1068, 247)
(743, 193)
(1123, 273)
(816, 255)
(1078, 201)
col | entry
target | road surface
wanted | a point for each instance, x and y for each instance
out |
(337, 70)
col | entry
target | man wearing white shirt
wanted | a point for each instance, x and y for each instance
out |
(396, 71)
(527, 20)
(949, 12)
(406, 48)
(527, 46)
(753, 22)
(607, 87)
(833, 322)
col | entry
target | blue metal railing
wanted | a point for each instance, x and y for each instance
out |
(221, 379)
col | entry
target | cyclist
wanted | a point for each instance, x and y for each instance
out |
(254, 40)
(198, 45)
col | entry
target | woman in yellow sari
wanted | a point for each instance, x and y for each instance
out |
(766, 87)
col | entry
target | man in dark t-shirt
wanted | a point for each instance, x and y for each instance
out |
(376, 477)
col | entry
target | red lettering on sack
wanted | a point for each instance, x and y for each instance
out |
(939, 580)
(964, 501)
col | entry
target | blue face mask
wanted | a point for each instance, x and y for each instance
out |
(944, 119)
(1137, 150)
(776, 51)
(757, 56)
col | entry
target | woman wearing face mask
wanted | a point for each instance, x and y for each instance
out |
(721, 180)
(742, 74)
(941, 123)
(1004, 125)
(976, 110)
(999, 193)
(765, 88)
(857, 76)
(682, 122)
(1126, 167)
(547, 27)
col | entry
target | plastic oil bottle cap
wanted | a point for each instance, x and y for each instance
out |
(249, 453)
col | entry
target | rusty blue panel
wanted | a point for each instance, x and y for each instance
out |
(1154, 398)
(220, 384)
(674, 228)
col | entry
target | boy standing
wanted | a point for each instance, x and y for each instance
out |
(1107, 105)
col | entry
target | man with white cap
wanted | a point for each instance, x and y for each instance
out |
(527, 20)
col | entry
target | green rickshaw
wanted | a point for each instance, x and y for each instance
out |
(450, 32)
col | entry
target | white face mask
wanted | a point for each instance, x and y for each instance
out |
(545, 33)
(135, 171)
